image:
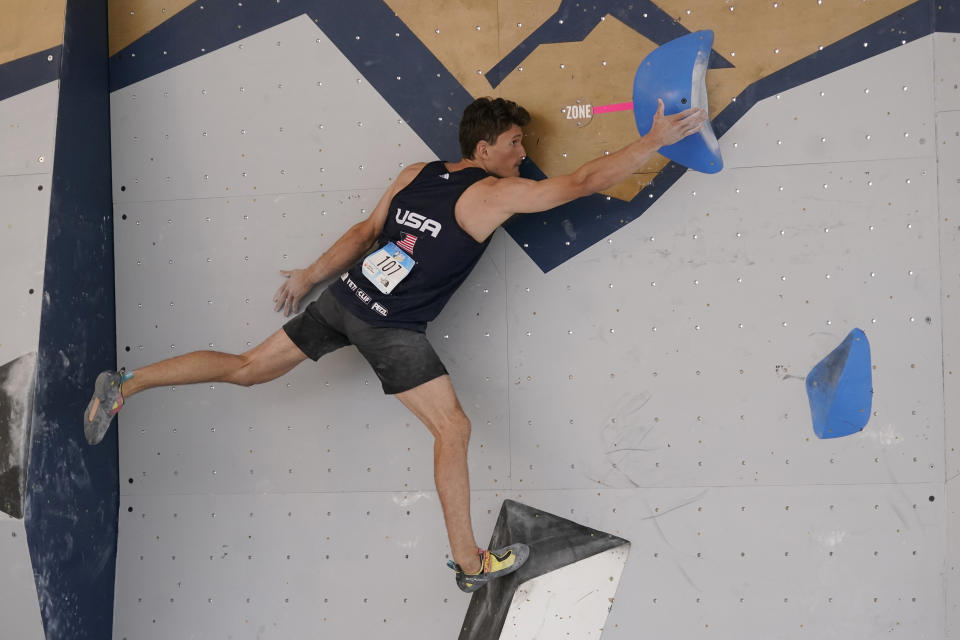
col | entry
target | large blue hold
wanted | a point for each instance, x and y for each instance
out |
(676, 72)
(840, 388)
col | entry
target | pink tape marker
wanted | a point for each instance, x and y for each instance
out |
(608, 108)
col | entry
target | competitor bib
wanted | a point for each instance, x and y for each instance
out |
(387, 267)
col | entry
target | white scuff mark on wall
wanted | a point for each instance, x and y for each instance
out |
(884, 435)
(830, 539)
(409, 499)
(17, 387)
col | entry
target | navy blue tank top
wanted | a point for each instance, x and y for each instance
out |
(423, 246)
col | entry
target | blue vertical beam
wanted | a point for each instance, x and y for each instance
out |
(72, 493)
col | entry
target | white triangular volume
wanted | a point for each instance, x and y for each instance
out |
(571, 602)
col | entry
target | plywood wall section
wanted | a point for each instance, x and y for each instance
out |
(758, 37)
(470, 37)
(594, 71)
(132, 19)
(29, 26)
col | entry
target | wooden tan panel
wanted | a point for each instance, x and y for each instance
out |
(520, 18)
(597, 71)
(449, 30)
(763, 36)
(760, 37)
(129, 20)
(29, 26)
(462, 34)
(470, 36)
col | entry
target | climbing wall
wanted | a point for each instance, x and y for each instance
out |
(58, 496)
(28, 117)
(634, 363)
(947, 100)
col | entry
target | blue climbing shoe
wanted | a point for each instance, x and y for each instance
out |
(106, 402)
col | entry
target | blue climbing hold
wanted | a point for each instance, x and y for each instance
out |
(676, 72)
(840, 388)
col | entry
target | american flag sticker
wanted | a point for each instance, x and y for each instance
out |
(407, 242)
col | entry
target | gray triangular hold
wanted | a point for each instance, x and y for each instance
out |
(554, 542)
(18, 380)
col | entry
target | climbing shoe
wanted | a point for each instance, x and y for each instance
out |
(494, 564)
(105, 403)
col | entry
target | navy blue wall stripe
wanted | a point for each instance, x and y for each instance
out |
(913, 22)
(574, 20)
(429, 98)
(554, 237)
(29, 72)
(73, 493)
(947, 16)
(198, 29)
(428, 92)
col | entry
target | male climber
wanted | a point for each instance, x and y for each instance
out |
(396, 271)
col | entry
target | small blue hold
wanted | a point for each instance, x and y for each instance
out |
(840, 388)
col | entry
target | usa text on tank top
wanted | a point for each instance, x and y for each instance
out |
(421, 256)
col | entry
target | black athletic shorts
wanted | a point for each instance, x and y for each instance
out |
(401, 358)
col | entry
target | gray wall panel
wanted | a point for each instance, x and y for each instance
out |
(23, 243)
(851, 561)
(948, 147)
(948, 129)
(693, 441)
(879, 108)
(952, 561)
(231, 251)
(672, 337)
(771, 562)
(946, 47)
(28, 125)
(338, 564)
(470, 336)
(19, 606)
(279, 112)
